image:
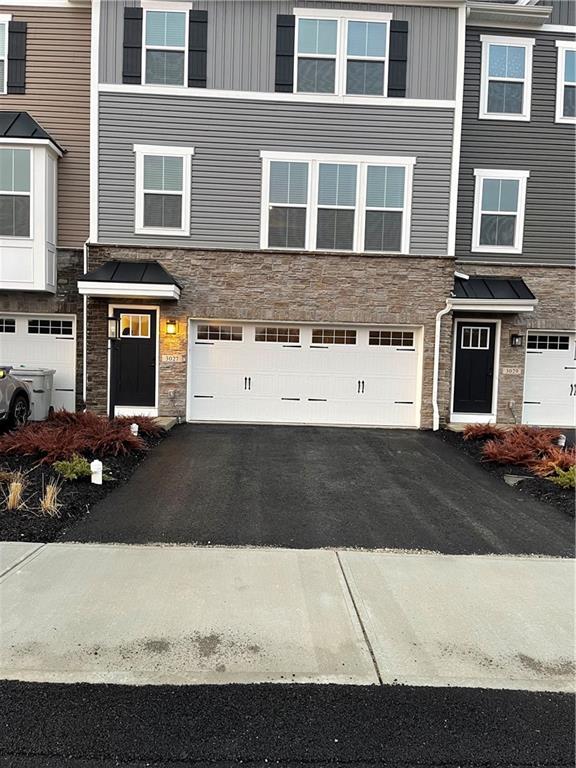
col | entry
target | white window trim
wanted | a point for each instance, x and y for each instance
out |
(341, 56)
(186, 153)
(167, 8)
(525, 42)
(5, 18)
(29, 194)
(314, 160)
(485, 173)
(562, 46)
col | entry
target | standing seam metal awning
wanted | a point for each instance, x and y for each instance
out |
(492, 294)
(130, 279)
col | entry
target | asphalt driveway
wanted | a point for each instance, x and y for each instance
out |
(309, 487)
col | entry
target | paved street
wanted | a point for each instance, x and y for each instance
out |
(313, 487)
(187, 615)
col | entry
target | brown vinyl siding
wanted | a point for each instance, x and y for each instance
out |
(58, 97)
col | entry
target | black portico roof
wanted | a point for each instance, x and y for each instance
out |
(497, 288)
(150, 272)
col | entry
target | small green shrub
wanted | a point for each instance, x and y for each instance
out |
(565, 478)
(74, 468)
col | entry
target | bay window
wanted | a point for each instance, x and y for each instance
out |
(15, 195)
(499, 204)
(163, 177)
(342, 53)
(506, 78)
(336, 202)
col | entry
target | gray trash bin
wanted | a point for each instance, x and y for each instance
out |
(41, 382)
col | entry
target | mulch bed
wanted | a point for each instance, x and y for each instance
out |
(77, 497)
(536, 487)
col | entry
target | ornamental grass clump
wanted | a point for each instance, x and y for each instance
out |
(86, 434)
(49, 504)
(14, 492)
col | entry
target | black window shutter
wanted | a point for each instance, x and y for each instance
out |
(197, 49)
(132, 60)
(285, 29)
(16, 57)
(398, 59)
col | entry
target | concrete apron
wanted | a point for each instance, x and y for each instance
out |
(188, 615)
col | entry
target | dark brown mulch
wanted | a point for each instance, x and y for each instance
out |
(77, 497)
(537, 487)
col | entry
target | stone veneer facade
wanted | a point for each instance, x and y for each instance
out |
(326, 288)
(295, 287)
(65, 301)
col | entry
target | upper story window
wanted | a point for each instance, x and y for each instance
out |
(506, 79)
(165, 47)
(341, 54)
(3, 56)
(336, 202)
(566, 82)
(163, 190)
(15, 196)
(499, 204)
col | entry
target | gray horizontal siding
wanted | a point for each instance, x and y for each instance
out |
(228, 136)
(563, 12)
(242, 43)
(541, 146)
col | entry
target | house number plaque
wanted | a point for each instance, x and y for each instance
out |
(512, 370)
(173, 358)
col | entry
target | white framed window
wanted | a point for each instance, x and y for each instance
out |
(134, 326)
(506, 78)
(4, 54)
(15, 192)
(334, 336)
(394, 338)
(341, 53)
(7, 325)
(566, 82)
(499, 203)
(165, 46)
(348, 203)
(219, 332)
(475, 337)
(548, 341)
(163, 178)
(50, 327)
(277, 335)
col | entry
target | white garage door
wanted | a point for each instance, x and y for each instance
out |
(550, 385)
(43, 341)
(303, 375)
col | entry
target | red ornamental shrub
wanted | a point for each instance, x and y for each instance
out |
(482, 431)
(554, 459)
(87, 434)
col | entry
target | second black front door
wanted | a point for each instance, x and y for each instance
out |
(133, 360)
(474, 367)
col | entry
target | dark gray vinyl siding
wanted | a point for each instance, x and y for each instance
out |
(228, 136)
(563, 12)
(541, 146)
(242, 43)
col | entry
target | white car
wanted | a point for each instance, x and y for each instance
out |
(15, 399)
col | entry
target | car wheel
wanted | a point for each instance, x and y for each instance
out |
(19, 412)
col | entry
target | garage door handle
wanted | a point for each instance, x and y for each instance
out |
(361, 385)
(247, 382)
(532, 402)
(570, 367)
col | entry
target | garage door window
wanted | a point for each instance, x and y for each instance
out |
(285, 335)
(548, 341)
(391, 338)
(51, 327)
(220, 332)
(14, 193)
(333, 336)
(7, 325)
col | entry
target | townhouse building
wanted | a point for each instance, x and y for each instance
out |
(516, 217)
(274, 214)
(44, 186)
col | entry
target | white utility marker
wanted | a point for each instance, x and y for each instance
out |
(181, 615)
(467, 621)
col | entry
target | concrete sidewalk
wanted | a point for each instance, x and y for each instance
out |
(186, 615)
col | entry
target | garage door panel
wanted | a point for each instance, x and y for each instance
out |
(550, 381)
(44, 350)
(303, 383)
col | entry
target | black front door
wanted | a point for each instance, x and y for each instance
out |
(133, 359)
(474, 367)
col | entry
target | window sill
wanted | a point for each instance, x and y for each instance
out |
(499, 116)
(162, 232)
(327, 251)
(495, 249)
(566, 120)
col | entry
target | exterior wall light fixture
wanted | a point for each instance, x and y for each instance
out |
(516, 340)
(171, 327)
(113, 328)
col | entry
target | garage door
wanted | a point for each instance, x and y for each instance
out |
(550, 384)
(45, 341)
(303, 375)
